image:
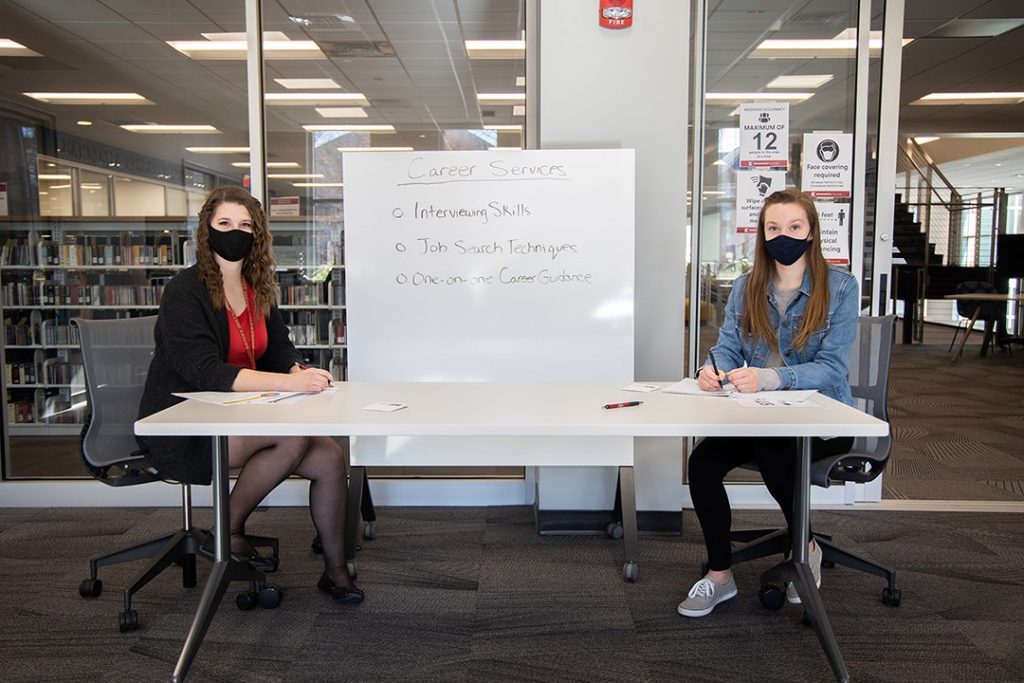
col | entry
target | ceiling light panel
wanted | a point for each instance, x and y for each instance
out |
(218, 150)
(950, 98)
(502, 98)
(270, 164)
(496, 49)
(307, 83)
(374, 149)
(236, 49)
(357, 99)
(371, 127)
(809, 81)
(159, 128)
(342, 112)
(730, 97)
(131, 98)
(12, 48)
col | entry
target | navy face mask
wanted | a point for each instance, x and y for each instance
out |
(785, 249)
(232, 245)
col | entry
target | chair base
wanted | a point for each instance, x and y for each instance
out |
(180, 547)
(757, 543)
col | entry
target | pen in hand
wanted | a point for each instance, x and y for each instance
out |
(625, 404)
(714, 366)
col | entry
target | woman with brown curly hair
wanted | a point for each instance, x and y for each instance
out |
(219, 329)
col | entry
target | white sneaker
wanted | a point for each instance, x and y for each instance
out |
(813, 559)
(705, 595)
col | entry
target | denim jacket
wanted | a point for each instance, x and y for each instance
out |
(823, 363)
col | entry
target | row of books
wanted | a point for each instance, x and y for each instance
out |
(49, 333)
(90, 250)
(54, 294)
(43, 410)
(49, 371)
(301, 295)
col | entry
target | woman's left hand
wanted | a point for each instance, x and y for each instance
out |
(744, 380)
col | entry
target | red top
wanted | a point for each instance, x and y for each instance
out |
(237, 354)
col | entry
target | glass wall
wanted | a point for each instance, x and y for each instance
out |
(779, 112)
(115, 125)
(99, 117)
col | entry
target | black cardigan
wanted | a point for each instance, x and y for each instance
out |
(191, 355)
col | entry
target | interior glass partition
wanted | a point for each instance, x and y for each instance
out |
(104, 117)
(780, 102)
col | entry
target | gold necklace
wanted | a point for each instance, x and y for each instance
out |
(249, 344)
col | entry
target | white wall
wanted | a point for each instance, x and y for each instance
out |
(601, 88)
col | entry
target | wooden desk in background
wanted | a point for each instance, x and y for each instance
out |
(981, 297)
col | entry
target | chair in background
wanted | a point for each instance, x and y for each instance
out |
(970, 312)
(869, 381)
(116, 356)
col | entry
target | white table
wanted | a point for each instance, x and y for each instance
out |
(512, 410)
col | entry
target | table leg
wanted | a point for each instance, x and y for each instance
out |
(798, 570)
(224, 570)
(967, 333)
(630, 542)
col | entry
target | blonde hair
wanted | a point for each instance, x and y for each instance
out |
(755, 319)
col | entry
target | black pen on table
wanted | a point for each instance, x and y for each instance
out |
(303, 366)
(625, 404)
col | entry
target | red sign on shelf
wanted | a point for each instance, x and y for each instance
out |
(616, 14)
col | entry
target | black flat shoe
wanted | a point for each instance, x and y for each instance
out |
(261, 563)
(347, 596)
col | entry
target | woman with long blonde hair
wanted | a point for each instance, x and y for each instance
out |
(789, 324)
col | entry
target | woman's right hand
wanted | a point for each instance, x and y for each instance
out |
(312, 380)
(707, 380)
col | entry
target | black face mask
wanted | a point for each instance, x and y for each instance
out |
(231, 245)
(785, 249)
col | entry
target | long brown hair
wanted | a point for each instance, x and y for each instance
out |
(258, 266)
(755, 319)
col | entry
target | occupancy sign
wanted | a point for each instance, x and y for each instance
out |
(751, 189)
(764, 135)
(828, 158)
(834, 223)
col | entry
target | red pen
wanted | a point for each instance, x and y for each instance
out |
(625, 404)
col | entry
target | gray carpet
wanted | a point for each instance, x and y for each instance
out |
(958, 427)
(474, 594)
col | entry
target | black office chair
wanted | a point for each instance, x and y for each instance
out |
(990, 312)
(116, 356)
(869, 380)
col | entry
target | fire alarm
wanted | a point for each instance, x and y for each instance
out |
(616, 14)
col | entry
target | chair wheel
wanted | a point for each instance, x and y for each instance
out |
(246, 600)
(369, 532)
(614, 530)
(772, 597)
(128, 621)
(90, 588)
(828, 564)
(270, 597)
(316, 546)
(351, 567)
(891, 597)
(631, 572)
(807, 620)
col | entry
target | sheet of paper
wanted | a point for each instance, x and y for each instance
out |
(636, 386)
(385, 407)
(690, 387)
(249, 398)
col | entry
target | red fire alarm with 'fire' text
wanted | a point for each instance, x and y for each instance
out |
(616, 13)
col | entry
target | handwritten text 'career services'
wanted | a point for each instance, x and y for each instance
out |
(420, 170)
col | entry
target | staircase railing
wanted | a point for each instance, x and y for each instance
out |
(961, 223)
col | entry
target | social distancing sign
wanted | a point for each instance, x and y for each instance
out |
(827, 165)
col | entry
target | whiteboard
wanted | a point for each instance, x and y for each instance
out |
(489, 266)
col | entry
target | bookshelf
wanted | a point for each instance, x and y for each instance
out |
(52, 270)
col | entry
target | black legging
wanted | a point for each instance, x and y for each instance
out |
(776, 457)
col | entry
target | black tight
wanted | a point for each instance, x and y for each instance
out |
(266, 462)
(712, 460)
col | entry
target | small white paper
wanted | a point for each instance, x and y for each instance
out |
(635, 386)
(250, 398)
(774, 403)
(385, 407)
(782, 396)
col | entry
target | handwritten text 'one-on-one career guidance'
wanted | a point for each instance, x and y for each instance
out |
(470, 211)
